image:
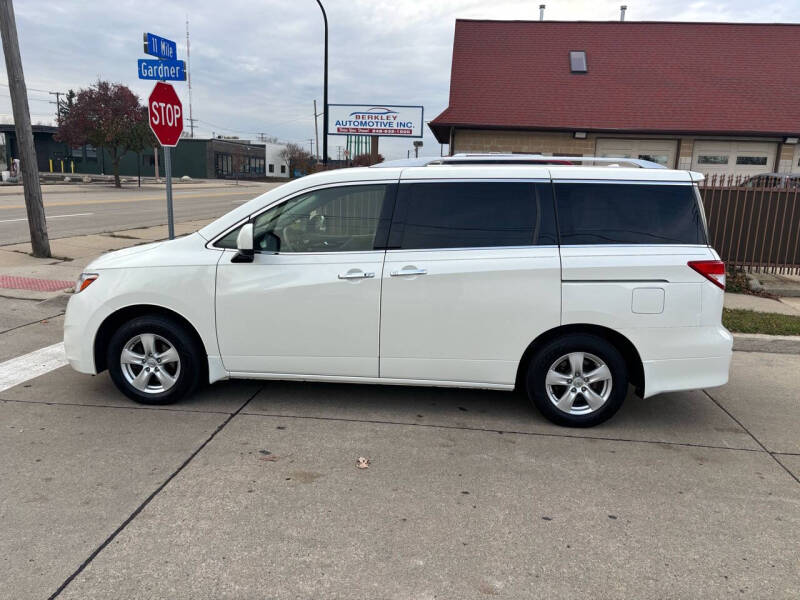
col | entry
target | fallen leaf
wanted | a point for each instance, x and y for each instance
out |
(362, 463)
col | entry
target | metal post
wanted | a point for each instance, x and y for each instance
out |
(316, 127)
(325, 92)
(373, 149)
(168, 169)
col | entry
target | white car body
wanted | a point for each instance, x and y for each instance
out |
(467, 323)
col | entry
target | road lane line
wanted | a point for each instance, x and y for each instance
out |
(22, 368)
(126, 200)
(49, 217)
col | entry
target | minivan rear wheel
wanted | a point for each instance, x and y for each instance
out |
(578, 380)
(154, 360)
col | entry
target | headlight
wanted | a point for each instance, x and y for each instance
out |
(84, 281)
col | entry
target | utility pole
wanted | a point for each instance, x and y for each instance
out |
(58, 105)
(325, 92)
(22, 124)
(316, 126)
(311, 145)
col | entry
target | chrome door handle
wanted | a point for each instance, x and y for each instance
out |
(406, 272)
(356, 275)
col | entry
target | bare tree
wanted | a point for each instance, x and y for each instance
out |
(296, 158)
(238, 161)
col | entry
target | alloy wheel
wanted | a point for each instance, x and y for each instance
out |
(578, 383)
(150, 363)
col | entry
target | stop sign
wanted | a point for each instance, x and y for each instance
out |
(166, 114)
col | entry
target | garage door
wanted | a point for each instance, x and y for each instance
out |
(734, 158)
(660, 151)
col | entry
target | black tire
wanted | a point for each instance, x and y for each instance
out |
(187, 373)
(594, 347)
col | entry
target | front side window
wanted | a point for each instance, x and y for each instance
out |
(616, 213)
(337, 219)
(473, 215)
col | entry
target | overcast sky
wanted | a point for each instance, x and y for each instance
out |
(256, 66)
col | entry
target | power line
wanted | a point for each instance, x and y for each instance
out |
(30, 99)
(30, 89)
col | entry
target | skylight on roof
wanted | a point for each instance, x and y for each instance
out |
(577, 61)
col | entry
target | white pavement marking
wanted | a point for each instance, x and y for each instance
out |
(22, 368)
(49, 217)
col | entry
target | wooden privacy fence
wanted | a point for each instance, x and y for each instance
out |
(754, 224)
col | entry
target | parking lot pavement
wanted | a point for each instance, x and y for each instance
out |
(250, 490)
(792, 463)
(764, 395)
(453, 514)
(72, 474)
(688, 418)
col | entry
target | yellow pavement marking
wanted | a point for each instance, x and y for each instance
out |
(139, 199)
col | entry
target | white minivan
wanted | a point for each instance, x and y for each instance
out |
(570, 281)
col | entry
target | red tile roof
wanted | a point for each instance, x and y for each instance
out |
(695, 78)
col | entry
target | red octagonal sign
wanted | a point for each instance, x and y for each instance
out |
(166, 114)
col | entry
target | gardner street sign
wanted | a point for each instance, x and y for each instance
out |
(162, 70)
(166, 114)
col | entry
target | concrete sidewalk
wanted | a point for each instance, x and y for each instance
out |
(72, 254)
(783, 306)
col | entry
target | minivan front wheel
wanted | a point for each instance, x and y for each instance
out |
(154, 360)
(578, 380)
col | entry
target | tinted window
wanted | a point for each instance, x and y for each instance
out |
(608, 213)
(337, 219)
(473, 215)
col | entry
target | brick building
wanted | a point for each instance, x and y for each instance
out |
(712, 97)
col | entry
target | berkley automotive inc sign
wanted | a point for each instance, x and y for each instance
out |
(366, 119)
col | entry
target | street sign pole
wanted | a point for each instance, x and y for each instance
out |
(168, 169)
(164, 108)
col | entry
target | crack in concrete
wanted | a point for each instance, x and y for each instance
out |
(504, 431)
(755, 439)
(32, 322)
(149, 499)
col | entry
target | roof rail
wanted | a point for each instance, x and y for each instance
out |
(521, 159)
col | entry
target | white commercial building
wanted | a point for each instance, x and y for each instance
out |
(276, 165)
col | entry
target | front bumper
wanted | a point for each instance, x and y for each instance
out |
(79, 335)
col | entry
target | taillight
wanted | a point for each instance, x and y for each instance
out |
(713, 270)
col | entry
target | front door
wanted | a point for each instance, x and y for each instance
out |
(309, 303)
(472, 276)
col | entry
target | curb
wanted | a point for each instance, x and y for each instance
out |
(758, 342)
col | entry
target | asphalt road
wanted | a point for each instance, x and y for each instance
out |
(89, 209)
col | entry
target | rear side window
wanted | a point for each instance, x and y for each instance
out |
(473, 215)
(614, 213)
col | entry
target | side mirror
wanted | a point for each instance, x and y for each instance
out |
(244, 244)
